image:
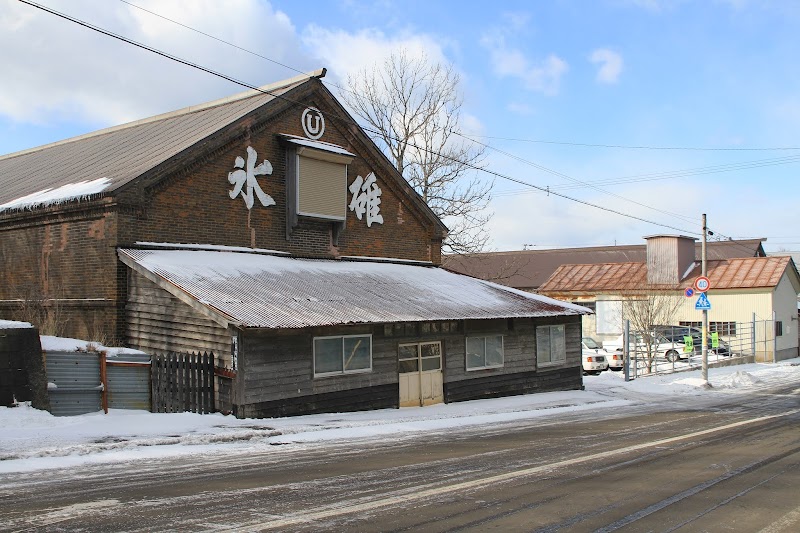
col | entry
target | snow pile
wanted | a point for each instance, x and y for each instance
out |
(738, 380)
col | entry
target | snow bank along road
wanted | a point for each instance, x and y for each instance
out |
(692, 464)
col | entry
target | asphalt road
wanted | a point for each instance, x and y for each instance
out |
(682, 467)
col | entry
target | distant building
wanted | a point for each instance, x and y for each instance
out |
(744, 290)
(528, 269)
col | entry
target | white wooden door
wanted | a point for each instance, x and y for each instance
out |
(420, 367)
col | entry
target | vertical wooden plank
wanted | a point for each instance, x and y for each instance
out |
(153, 383)
(162, 399)
(171, 385)
(180, 382)
(205, 384)
(187, 376)
(210, 408)
(194, 371)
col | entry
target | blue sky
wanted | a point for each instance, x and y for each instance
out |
(661, 74)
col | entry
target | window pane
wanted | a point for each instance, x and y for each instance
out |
(408, 351)
(558, 345)
(475, 352)
(432, 349)
(494, 351)
(357, 352)
(327, 355)
(407, 365)
(543, 344)
(431, 363)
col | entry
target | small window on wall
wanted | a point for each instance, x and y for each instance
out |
(342, 355)
(484, 352)
(551, 345)
(778, 328)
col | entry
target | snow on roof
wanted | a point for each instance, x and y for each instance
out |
(59, 195)
(281, 292)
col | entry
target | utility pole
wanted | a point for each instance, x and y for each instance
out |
(704, 337)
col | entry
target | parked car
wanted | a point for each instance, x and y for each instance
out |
(661, 347)
(676, 335)
(594, 359)
(614, 360)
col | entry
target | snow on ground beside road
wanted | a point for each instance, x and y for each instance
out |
(35, 440)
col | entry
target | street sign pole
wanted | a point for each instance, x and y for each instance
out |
(704, 338)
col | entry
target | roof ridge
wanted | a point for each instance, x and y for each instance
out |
(319, 73)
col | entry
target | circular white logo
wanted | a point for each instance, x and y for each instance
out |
(313, 123)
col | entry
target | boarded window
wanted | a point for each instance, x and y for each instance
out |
(321, 186)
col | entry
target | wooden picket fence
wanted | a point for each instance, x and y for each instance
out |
(182, 382)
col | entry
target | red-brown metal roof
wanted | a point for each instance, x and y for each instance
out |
(737, 273)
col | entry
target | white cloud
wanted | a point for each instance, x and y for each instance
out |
(543, 76)
(611, 65)
(67, 72)
(346, 53)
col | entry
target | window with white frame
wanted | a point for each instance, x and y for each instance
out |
(484, 352)
(551, 345)
(342, 355)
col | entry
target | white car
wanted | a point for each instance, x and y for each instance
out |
(661, 347)
(614, 359)
(594, 359)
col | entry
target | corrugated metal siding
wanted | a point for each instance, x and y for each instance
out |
(128, 386)
(76, 376)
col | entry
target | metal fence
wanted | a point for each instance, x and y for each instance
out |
(678, 349)
(85, 382)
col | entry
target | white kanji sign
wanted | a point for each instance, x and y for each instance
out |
(366, 199)
(244, 179)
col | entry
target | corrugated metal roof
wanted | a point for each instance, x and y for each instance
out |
(529, 269)
(266, 291)
(737, 273)
(122, 153)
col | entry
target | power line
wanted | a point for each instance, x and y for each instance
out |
(675, 174)
(633, 147)
(344, 119)
(213, 37)
(570, 178)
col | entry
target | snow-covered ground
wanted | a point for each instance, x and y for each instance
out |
(34, 440)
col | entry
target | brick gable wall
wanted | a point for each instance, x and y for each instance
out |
(193, 206)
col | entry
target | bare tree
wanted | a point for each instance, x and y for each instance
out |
(647, 308)
(412, 110)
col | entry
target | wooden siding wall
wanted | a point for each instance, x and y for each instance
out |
(276, 375)
(276, 378)
(519, 373)
(156, 321)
